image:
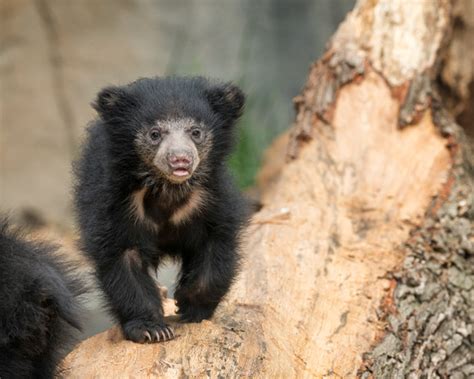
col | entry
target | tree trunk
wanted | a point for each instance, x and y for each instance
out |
(360, 260)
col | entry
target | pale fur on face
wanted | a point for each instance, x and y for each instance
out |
(175, 137)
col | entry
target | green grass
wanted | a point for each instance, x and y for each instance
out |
(245, 161)
(259, 125)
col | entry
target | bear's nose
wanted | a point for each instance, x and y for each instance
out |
(179, 160)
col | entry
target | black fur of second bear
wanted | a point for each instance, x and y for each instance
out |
(152, 182)
(39, 310)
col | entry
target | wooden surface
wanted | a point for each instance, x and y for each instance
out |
(335, 216)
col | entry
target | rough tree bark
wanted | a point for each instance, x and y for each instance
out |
(360, 261)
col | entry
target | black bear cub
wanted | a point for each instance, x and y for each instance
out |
(39, 309)
(152, 182)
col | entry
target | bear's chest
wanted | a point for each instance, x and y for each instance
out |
(157, 212)
(174, 223)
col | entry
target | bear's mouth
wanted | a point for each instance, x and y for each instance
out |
(179, 175)
(181, 172)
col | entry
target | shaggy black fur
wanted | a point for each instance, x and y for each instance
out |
(38, 307)
(125, 246)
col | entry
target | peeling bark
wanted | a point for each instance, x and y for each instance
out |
(430, 325)
(360, 260)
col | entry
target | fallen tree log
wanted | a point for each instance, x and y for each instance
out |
(373, 166)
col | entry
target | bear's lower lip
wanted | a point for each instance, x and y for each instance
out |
(180, 172)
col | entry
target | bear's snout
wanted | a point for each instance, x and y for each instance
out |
(180, 160)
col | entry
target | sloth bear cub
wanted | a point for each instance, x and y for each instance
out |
(152, 182)
(38, 307)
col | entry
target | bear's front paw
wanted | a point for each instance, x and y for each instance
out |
(147, 331)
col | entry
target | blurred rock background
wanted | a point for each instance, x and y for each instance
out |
(56, 54)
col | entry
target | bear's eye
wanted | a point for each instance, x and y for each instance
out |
(197, 135)
(155, 135)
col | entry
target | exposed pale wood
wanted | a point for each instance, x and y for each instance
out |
(335, 216)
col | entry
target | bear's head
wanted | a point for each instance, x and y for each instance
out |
(177, 127)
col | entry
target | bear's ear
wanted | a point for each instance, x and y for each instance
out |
(227, 100)
(111, 100)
